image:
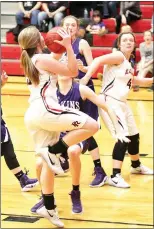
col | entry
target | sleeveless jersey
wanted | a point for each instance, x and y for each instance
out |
(73, 100)
(45, 90)
(117, 80)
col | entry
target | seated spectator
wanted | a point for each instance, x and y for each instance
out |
(110, 9)
(28, 10)
(146, 52)
(96, 26)
(146, 63)
(54, 11)
(129, 11)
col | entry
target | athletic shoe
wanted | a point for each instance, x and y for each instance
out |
(142, 170)
(76, 202)
(100, 177)
(27, 184)
(64, 164)
(51, 159)
(118, 181)
(51, 215)
(37, 206)
(136, 88)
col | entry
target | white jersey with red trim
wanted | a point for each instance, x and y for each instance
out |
(117, 80)
(46, 89)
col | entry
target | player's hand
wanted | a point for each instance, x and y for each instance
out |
(66, 42)
(4, 78)
(122, 138)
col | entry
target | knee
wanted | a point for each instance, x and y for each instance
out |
(35, 12)
(19, 15)
(133, 146)
(74, 151)
(95, 127)
(39, 163)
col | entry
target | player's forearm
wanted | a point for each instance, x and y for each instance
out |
(72, 62)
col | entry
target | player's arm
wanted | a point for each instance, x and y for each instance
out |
(87, 93)
(143, 82)
(109, 59)
(47, 63)
(85, 50)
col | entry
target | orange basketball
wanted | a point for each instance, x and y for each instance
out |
(51, 36)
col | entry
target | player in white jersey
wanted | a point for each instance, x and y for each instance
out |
(45, 118)
(117, 81)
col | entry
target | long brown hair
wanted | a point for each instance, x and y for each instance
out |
(28, 40)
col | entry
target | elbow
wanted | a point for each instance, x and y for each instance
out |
(74, 73)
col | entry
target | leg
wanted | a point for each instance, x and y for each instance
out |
(58, 18)
(13, 164)
(42, 16)
(112, 8)
(75, 167)
(101, 176)
(34, 17)
(19, 18)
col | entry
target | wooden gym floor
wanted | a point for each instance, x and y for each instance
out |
(104, 207)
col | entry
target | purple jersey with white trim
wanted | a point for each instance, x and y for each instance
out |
(4, 130)
(73, 100)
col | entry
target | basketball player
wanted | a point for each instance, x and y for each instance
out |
(84, 57)
(45, 118)
(7, 150)
(117, 82)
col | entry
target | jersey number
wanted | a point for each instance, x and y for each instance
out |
(129, 84)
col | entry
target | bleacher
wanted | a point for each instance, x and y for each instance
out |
(10, 51)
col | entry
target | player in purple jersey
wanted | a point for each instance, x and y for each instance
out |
(84, 57)
(73, 98)
(7, 150)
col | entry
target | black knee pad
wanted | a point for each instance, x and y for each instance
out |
(133, 145)
(92, 144)
(9, 155)
(119, 150)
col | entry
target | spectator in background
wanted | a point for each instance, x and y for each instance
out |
(28, 10)
(110, 9)
(146, 51)
(54, 11)
(96, 26)
(129, 11)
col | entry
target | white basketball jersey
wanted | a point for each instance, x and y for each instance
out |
(117, 80)
(46, 89)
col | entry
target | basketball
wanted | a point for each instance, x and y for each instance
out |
(51, 36)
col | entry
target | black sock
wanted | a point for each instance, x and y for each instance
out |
(19, 175)
(59, 147)
(115, 171)
(97, 163)
(136, 164)
(76, 187)
(48, 201)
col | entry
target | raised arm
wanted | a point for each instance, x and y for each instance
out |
(109, 59)
(47, 63)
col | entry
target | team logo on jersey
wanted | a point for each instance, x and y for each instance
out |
(76, 123)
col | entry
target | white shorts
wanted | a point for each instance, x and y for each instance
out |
(45, 126)
(124, 114)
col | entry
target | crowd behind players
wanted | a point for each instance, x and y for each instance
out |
(46, 15)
